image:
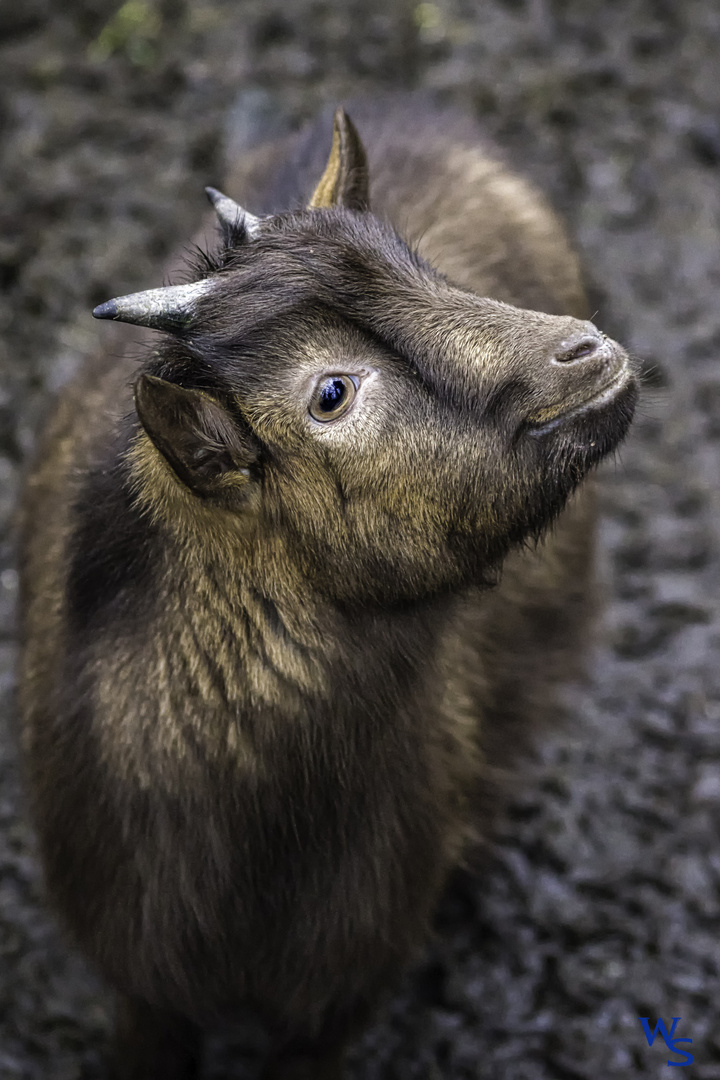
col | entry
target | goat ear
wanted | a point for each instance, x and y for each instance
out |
(198, 438)
(345, 180)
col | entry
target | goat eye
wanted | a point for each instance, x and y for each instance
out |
(333, 396)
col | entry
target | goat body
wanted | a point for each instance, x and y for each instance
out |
(263, 685)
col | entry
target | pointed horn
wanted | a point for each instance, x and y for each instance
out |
(231, 213)
(170, 309)
(345, 180)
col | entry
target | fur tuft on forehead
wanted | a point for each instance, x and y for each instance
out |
(337, 260)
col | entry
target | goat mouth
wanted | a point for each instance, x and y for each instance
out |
(597, 401)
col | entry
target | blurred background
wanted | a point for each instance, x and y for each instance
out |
(600, 901)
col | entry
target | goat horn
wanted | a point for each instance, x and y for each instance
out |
(170, 309)
(231, 213)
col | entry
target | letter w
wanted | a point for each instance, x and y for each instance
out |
(660, 1026)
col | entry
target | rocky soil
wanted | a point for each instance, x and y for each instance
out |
(601, 901)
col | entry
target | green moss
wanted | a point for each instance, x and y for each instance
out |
(133, 32)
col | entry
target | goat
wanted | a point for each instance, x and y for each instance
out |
(263, 682)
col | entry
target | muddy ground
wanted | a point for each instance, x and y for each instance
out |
(601, 901)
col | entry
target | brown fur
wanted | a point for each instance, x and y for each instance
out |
(260, 685)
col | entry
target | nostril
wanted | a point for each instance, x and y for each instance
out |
(578, 349)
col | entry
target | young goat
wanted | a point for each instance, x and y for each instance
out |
(261, 686)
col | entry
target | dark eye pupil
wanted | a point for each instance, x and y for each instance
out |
(331, 395)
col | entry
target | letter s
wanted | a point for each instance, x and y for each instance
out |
(672, 1046)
